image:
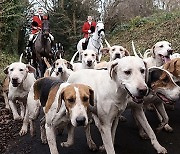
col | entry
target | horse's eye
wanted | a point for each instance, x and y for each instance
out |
(127, 72)
(20, 69)
(161, 46)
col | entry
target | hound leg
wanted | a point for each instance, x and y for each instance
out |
(24, 127)
(165, 119)
(114, 127)
(51, 138)
(70, 140)
(142, 133)
(22, 107)
(105, 130)
(92, 146)
(139, 113)
(5, 95)
(43, 131)
(16, 115)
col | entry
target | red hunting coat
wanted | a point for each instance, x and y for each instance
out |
(86, 27)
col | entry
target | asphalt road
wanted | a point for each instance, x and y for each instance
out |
(127, 139)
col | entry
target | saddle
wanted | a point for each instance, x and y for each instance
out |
(84, 45)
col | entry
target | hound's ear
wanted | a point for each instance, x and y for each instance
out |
(146, 72)
(6, 70)
(30, 68)
(51, 96)
(170, 66)
(61, 97)
(91, 100)
(153, 75)
(127, 52)
(105, 51)
(69, 65)
(152, 52)
(112, 68)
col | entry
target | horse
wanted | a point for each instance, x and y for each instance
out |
(42, 48)
(95, 40)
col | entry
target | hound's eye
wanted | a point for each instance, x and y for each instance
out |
(121, 49)
(71, 100)
(113, 49)
(127, 72)
(85, 99)
(11, 69)
(85, 54)
(169, 45)
(161, 46)
(142, 71)
(93, 55)
(57, 63)
(21, 69)
(166, 79)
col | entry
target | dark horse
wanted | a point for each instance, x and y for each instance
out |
(42, 48)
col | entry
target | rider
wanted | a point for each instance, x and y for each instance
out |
(88, 28)
(36, 26)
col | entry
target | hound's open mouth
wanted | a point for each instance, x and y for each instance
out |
(136, 99)
(165, 59)
(15, 84)
(164, 98)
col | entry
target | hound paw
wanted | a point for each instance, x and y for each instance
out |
(7, 107)
(143, 135)
(66, 144)
(93, 147)
(168, 128)
(162, 150)
(122, 118)
(17, 117)
(23, 131)
(44, 140)
(102, 148)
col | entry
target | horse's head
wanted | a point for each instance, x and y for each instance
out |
(45, 27)
(100, 29)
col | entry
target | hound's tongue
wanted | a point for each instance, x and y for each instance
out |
(166, 59)
(163, 98)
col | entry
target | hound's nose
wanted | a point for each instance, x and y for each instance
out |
(14, 80)
(142, 91)
(80, 121)
(89, 62)
(60, 69)
(170, 51)
(118, 55)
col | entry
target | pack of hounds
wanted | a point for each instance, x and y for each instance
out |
(72, 94)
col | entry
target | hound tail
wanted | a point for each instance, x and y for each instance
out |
(147, 53)
(20, 59)
(134, 50)
(74, 56)
(107, 43)
(46, 62)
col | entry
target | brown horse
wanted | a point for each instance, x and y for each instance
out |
(42, 48)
